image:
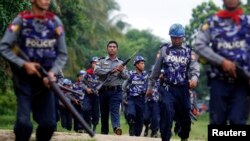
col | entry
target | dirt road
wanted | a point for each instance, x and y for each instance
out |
(7, 135)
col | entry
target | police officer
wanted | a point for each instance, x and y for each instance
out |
(152, 110)
(66, 116)
(78, 104)
(136, 86)
(175, 60)
(39, 34)
(111, 92)
(224, 42)
(91, 110)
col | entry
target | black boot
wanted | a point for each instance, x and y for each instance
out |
(94, 128)
(146, 131)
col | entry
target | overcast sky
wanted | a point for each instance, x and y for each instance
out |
(158, 15)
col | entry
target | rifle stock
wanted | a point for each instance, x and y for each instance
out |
(57, 91)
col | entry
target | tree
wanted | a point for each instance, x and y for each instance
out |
(144, 43)
(8, 10)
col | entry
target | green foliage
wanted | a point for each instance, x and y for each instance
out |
(7, 102)
(87, 28)
(144, 42)
(9, 9)
(199, 16)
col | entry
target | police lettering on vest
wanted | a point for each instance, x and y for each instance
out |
(232, 45)
(138, 82)
(46, 43)
(177, 59)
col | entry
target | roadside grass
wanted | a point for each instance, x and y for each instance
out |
(198, 129)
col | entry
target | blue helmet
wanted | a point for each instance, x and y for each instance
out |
(177, 30)
(137, 59)
(67, 82)
(82, 72)
(94, 59)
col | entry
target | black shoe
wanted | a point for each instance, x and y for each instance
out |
(131, 131)
(146, 132)
(154, 135)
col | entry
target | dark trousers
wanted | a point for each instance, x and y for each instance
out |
(152, 115)
(135, 114)
(228, 102)
(91, 109)
(33, 97)
(66, 118)
(77, 124)
(175, 101)
(110, 101)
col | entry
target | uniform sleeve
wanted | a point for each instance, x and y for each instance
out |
(124, 73)
(194, 70)
(10, 36)
(155, 72)
(202, 48)
(99, 71)
(124, 85)
(61, 49)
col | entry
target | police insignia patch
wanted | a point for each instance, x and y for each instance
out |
(205, 27)
(59, 30)
(14, 27)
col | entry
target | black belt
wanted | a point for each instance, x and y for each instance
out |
(111, 88)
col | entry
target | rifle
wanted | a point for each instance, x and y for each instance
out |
(57, 91)
(94, 91)
(69, 90)
(112, 72)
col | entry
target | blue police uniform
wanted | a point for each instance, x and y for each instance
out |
(152, 111)
(136, 88)
(41, 38)
(91, 102)
(228, 40)
(78, 86)
(66, 116)
(177, 65)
